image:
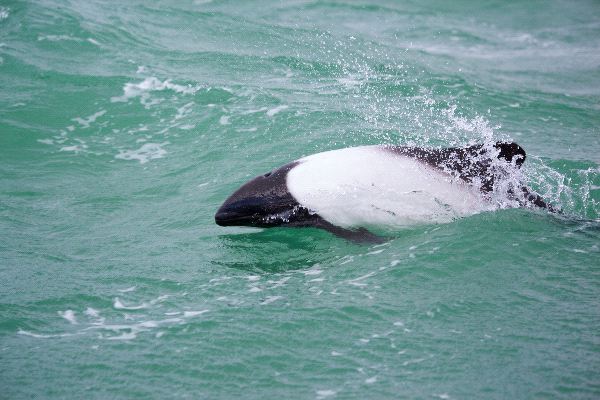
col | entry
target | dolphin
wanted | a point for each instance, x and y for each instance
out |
(350, 191)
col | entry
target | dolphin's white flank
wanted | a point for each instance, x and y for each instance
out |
(369, 186)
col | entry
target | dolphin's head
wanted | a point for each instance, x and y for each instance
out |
(262, 202)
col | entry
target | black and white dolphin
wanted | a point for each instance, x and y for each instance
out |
(349, 190)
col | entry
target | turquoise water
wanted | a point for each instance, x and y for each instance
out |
(124, 125)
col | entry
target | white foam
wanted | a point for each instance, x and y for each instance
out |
(119, 331)
(42, 336)
(370, 380)
(46, 141)
(375, 252)
(254, 111)
(124, 336)
(325, 393)
(120, 306)
(131, 331)
(148, 324)
(276, 110)
(59, 38)
(220, 279)
(312, 271)
(414, 361)
(4, 13)
(183, 110)
(350, 82)
(255, 289)
(75, 148)
(91, 312)
(271, 299)
(189, 314)
(148, 151)
(253, 278)
(360, 278)
(86, 121)
(142, 89)
(347, 259)
(127, 290)
(280, 282)
(93, 41)
(224, 120)
(69, 315)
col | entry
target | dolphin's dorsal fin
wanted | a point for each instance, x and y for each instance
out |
(467, 163)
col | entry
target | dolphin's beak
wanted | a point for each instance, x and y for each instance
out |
(223, 218)
(241, 212)
(259, 201)
(230, 214)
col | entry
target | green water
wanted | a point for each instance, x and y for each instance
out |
(124, 125)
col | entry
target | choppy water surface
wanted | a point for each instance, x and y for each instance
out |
(124, 125)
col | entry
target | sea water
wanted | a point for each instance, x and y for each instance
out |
(124, 125)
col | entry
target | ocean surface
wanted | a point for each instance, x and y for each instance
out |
(124, 126)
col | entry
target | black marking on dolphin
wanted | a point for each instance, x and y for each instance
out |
(474, 162)
(263, 202)
(466, 163)
(266, 201)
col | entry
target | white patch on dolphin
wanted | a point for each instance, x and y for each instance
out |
(368, 186)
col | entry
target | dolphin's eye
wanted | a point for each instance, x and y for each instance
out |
(267, 174)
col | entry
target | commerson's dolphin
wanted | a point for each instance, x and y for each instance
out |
(350, 190)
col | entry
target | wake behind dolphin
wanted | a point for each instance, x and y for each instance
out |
(349, 191)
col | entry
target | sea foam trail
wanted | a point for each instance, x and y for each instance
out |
(142, 89)
(117, 331)
(148, 151)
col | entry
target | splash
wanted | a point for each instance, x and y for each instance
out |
(416, 113)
